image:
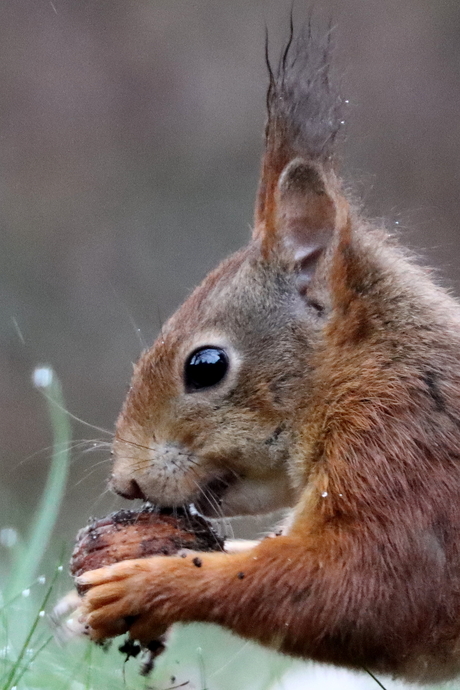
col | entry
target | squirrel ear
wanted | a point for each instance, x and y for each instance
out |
(306, 215)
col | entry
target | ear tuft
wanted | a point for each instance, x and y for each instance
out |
(301, 210)
(304, 117)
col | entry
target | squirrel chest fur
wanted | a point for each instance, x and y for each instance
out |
(318, 369)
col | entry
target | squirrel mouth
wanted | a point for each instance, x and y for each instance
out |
(209, 500)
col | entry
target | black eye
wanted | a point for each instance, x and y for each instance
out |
(204, 368)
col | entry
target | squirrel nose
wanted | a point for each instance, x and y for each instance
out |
(131, 490)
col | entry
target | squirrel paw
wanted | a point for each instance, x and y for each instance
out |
(121, 598)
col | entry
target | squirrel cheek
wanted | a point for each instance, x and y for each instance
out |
(258, 496)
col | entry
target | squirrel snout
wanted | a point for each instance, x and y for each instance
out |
(129, 490)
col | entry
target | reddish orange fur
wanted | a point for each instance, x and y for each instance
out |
(349, 412)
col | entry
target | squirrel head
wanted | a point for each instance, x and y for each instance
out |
(212, 413)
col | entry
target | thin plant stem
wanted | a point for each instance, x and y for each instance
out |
(26, 565)
(16, 665)
(32, 659)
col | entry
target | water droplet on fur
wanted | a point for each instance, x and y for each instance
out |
(324, 494)
(347, 101)
(396, 222)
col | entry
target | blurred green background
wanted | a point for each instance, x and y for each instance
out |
(130, 139)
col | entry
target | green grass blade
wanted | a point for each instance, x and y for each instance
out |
(17, 664)
(31, 660)
(25, 567)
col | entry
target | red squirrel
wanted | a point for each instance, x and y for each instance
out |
(317, 369)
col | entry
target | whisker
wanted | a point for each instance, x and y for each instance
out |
(137, 330)
(89, 473)
(74, 417)
(210, 497)
(226, 529)
(73, 446)
(132, 443)
(101, 496)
